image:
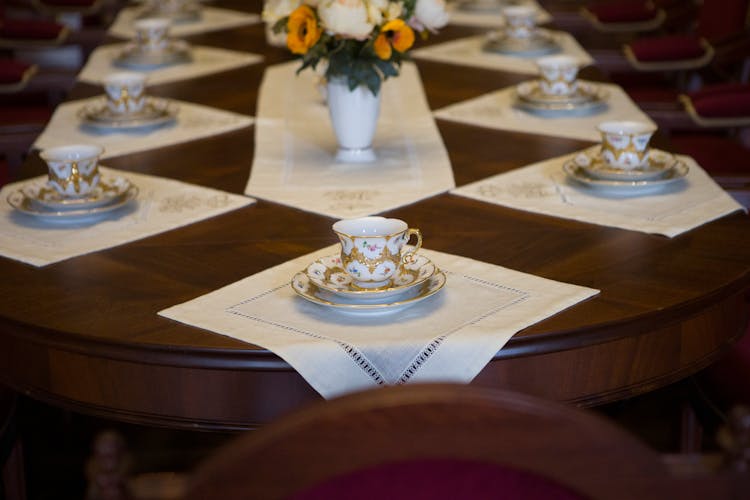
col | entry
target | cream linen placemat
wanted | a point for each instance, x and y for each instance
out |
(161, 205)
(212, 19)
(468, 52)
(450, 336)
(193, 122)
(206, 60)
(491, 18)
(495, 110)
(543, 188)
(295, 146)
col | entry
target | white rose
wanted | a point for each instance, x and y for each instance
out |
(394, 10)
(429, 14)
(347, 18)
(273, 10)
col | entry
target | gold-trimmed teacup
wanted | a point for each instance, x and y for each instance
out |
(520, 20)
(126, 92)
(625, 143)
(372, 248)
(558, 75)
(152, 33)
(73, 170)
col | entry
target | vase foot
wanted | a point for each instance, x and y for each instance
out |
(355, 155)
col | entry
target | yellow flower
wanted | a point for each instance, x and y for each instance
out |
(303, 30)
(396, 35)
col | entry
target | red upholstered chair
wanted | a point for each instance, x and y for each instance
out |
(718, 20)
(445, 441)
(15, 75)
(624, 15)
(25, 33)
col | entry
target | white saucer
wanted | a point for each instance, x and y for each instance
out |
(109, 191)
(187, 13)
(626, 187)
(305, 288)
(588, 98)
(156, 112)
(132, 56)
(327, 274)
(30, 206)
(660, 163)
(539, 43)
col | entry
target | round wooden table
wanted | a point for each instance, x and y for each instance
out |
(84, 333)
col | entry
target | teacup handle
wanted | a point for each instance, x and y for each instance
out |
(408, 257)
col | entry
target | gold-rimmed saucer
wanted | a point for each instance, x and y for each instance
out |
(188, 12)
(659, 164)
(108, 191)
(641, 187)
(540, 42)
(327, 274)
(305, 288)
(135, 57)
(588, 98)
(29, 206)
(156, 112)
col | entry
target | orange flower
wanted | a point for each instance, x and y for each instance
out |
(303, 30)
(396, 35)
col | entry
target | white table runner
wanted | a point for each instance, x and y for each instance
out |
(468, 52)
(161, 205)
(212, 19)
(543, 188)
(491, 18)
(495, 110)
(206, 61)
(295, 146)
(450, 336)
(193, 122)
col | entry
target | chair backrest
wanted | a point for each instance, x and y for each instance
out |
(721, 19)
(440, 440)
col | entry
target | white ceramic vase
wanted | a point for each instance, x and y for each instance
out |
(354, 116)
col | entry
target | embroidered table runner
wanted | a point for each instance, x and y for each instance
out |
(211, 19)
(490, 17)
(161, 205)
(544, 188)
(295, 147)
(496, 110)
(468, 52)
(205, 61)
(193, 122)
(450, 336)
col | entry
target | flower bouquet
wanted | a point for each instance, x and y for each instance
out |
(362, 41)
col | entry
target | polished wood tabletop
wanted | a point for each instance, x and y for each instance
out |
(84, 333)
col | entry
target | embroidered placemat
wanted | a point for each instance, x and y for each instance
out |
(544, 188)
(449, 336)
(205, 61)
(211, 19)
(295, 145)
(161, 205)
(193, 121)
(497, 110)
(468, 52)
(463, 15)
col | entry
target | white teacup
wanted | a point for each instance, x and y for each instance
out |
(73, 170)
(371, 248)
(152, 34)
(520, 20)
(126, 92)
(625, 143)
(558, 75)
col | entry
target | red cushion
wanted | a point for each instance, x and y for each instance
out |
(667, 48)
(732, 105)
(717, 154)
(12, 71)
(719, 88)
(28, 29)
(432, 478)
(623, 11)
(720, 19)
